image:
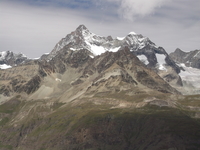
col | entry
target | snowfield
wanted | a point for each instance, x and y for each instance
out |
(143, 59)
(190, 75)
(161, 61)
(4, 66)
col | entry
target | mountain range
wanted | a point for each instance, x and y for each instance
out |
(95, 92)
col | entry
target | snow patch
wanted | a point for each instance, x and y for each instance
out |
(133, 33)
(91, 56)
(161, 61)
(143, 59)
(72, 49)
(96, 50)
(36, 58)
(4, 66)
(114, 49)
(120, 38)
(58, 79)
(190, 75)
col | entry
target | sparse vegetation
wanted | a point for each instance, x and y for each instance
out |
(91, 126)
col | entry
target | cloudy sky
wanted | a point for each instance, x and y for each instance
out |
(33, 27)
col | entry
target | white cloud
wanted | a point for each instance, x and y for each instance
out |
(130, 9)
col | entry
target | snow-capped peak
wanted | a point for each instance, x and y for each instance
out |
(120, 38)
(82, 38)
(133, 33)
(81, 27)
(83, 31)
(3, 55)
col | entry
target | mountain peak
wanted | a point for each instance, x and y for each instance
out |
(132, 33)
(178, 50)
(83, 32)
(138, 44)
(82, 27)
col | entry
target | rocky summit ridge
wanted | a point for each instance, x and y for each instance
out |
(82, 38)
(150, 54)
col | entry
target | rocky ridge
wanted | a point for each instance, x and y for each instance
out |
(190, 59)
(151, 55)
(88, 75)
(82, 38)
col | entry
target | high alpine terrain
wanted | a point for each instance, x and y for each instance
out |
(189, 62)
(93, 92)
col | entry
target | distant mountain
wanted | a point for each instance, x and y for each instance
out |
(190, 73)
(190, 59)
(8, 58)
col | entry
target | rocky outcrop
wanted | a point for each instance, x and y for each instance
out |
(82, 38)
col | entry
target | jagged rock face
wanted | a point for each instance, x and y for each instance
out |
(110, 71)
(12, 59)
(86, 63)
(132, 69)
(156, 57)
(23, 79)
(82, 38)
(190, 59)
